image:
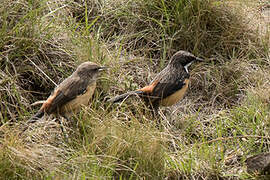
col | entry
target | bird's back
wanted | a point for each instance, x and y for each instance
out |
(171, 81)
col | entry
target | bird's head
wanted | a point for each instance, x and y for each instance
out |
(89, 69)
(183, 58)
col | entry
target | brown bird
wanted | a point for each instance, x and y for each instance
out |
(73, 93)
(169, 86)
(259, 163)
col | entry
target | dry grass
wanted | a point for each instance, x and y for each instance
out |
(223, 119)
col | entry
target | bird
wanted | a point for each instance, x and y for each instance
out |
(169, 86)
(73, 93)
(259, 163)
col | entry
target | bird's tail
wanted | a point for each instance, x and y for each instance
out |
(33, 119)
(124, 96)
(36, 117)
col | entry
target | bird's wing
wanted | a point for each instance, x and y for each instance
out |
(65, 92)
(169, 82)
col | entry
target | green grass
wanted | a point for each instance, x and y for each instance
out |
(223, 119)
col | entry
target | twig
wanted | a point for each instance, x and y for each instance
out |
(41, 71)
(226, 139)
(38, 102)
(234, 137)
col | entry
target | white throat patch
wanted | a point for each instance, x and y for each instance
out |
(186, 66)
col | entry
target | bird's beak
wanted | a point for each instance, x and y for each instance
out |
(199, 59)
(102, 68)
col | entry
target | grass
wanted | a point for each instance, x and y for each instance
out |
(223, 119)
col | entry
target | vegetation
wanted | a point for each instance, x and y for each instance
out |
(223, 119)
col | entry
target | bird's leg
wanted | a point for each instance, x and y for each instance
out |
(63, 130)
(154, 111)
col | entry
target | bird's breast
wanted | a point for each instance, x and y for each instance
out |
(81, 100)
